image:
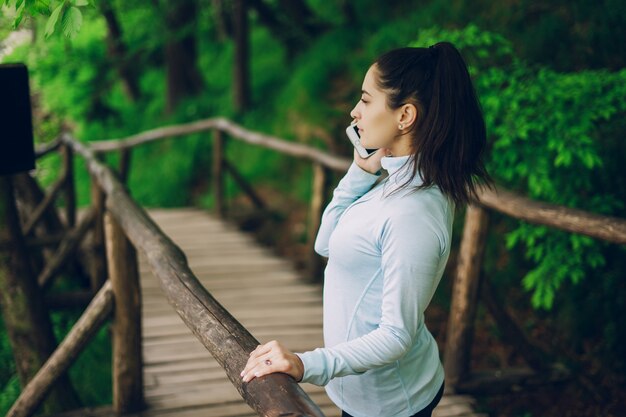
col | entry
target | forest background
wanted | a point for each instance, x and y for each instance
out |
(551, 78)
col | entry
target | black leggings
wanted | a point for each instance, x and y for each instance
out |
(425, 412)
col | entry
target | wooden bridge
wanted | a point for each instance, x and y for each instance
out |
(189, 260)
(263, 292)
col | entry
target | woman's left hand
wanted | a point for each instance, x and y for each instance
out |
(272, 357)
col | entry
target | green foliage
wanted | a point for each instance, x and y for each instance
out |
(545, 143)
(92, 383)
(70, 18)
(66, 14)
(481, 49)
(10, 392)
(555, 136)
(9, 383)
(544, 126)
(26, 7)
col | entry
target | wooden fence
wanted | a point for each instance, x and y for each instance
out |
(115, 217)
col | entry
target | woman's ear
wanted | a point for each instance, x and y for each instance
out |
(407, 116)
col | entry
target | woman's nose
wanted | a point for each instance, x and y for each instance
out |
(354, 113)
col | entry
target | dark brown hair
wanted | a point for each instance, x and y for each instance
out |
(449, 135)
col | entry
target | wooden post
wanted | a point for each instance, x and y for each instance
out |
(465, 296)
(70, 191)
(125, 154)
(218, 173)
(23, 311)
(98, 266)
(127, 357)
(318, 198)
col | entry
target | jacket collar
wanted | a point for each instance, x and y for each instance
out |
(400, 169)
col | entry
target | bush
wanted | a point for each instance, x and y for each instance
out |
(545, 142)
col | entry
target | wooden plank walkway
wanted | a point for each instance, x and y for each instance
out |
(261, 290)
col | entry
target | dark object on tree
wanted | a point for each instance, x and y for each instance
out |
(16, 141)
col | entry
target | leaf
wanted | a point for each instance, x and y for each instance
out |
(52, 20)
(42, 7)
(81, 3)
(71, 21)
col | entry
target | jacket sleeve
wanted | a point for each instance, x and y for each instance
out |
(411, 251)
(353, 185)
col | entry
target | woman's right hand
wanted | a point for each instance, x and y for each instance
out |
(272, 357)
(371, 164)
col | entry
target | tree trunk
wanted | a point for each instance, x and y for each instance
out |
(298, 12)
(285, 33)
(223, 20)
(118, 51)
(241, 65)
(183, 78)
(292, 23)
(27, 322)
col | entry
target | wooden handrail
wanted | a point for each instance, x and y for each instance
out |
(607, 228)
(236, 131)
(227, 340)
(218, 331)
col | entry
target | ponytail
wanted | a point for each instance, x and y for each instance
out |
(449, 137)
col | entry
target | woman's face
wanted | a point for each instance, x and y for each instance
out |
(377, 123)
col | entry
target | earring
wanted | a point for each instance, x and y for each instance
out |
(400, 126)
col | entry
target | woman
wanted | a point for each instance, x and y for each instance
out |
(387, 244)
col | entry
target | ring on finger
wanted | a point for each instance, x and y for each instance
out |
(268, 362)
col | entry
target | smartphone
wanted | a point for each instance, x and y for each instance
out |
(353, 134)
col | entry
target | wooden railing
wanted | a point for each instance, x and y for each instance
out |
(129, 227)
(469, 278)
(468, 275)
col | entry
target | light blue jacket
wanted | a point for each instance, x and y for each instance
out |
(386, 254)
